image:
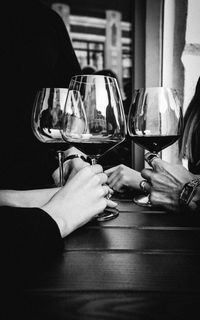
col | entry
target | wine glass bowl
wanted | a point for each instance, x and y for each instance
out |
(47, 114)
(47, 120)
(94, 119)
(154, 121)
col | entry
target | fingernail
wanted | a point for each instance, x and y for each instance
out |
(115, 203)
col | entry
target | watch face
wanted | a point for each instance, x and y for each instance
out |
(188, 191)
(187, 194)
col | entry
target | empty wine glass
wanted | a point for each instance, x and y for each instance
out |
(94, 119)
(47, 120)
(154, 122)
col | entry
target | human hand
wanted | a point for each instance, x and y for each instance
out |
(81, 199)
(121, 177)
(165, 182)
(70, 167)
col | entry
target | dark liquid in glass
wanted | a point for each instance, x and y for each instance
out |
(155, 143)
(94, 148)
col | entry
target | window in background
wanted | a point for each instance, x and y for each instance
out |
(89, 36)
(89, 53)
(103, 43)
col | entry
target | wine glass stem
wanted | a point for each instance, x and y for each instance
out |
(93, 161)
(60, 162)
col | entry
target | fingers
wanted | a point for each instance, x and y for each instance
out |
(111, 203)
(102, 178)
(110, 192)
(145, 186)
(147, 174)
(117, 177)
(155, 162)
(111, 170)
(142, 186)
(150, 158)
(113, 176)
(118, 186)
(96, 168)
(113, 181)
(78, 163)
(106, 191)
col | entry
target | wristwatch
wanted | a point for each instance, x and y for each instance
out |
(73, 156)
(188, 192)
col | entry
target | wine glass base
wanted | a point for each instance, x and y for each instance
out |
(142, 200)
(107, 214)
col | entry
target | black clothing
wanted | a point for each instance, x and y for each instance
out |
(30, 241)
(32, 237)
(194, 166)
(35, 52)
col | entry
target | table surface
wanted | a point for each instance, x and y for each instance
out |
(145, 264)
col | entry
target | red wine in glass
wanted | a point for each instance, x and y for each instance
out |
(154, 122)
(94, 119)
(155, 143)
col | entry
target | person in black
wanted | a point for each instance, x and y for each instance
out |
(35, 52)
(31, 237)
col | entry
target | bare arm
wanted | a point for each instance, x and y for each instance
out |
(26, 198)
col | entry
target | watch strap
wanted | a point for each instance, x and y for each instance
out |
(74, 156)
(188, 191)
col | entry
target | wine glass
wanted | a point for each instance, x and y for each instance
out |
(47, 120)
(154, 122)
(94, 120)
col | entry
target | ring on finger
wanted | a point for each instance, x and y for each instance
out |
(149, 157)
(142, 186)
(107, 193)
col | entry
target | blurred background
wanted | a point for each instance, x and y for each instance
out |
(145, 42)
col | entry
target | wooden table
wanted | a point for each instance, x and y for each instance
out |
(145, 264)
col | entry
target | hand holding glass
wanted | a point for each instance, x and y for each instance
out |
(154, 121)
(94, 119)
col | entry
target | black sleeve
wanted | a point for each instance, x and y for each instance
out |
(30, 239)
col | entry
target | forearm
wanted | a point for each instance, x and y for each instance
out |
(26, 198)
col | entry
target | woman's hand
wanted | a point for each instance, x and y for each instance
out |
(80, 200)
(165, 182)
(121, 177)
(70, 167)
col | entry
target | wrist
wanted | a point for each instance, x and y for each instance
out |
(188, 198)
(77, 155)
